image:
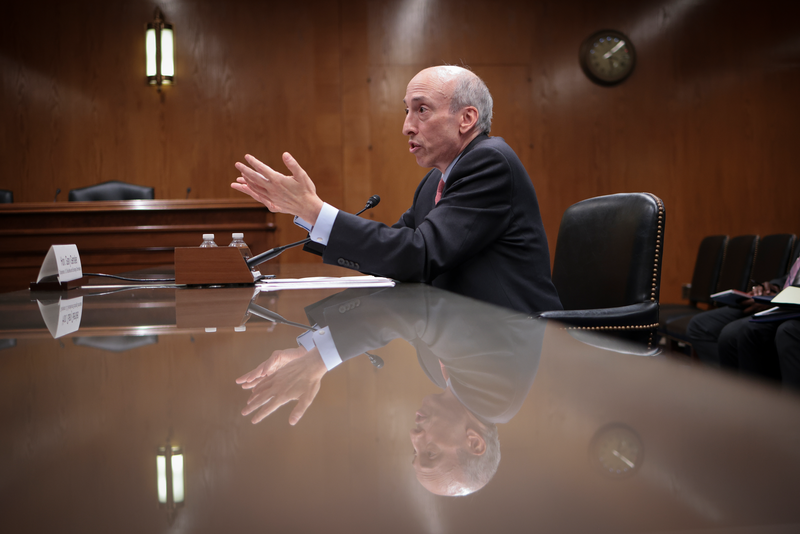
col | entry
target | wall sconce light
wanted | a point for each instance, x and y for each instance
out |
(169, 470)
(159, 44)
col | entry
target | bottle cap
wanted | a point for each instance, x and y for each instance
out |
(238, 236)
(208, 237)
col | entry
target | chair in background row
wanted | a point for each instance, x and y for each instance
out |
(6, 196)
(772, 257)
(607, 266)
(704, 280)
(737, 264)
(112, 190)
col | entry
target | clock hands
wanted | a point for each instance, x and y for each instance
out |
(613, 50)
(621, 457)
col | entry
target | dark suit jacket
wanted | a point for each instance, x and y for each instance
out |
(490, 354)
(485, 238)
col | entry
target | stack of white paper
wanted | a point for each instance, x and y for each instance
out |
(324, 282)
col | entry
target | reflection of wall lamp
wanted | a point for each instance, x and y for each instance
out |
(169, 467)
(159, 44)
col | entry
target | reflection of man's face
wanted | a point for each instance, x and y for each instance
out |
(442, 428)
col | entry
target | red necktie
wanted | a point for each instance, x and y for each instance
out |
(439, 192)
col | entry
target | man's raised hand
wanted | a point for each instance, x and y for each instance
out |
(294, 194)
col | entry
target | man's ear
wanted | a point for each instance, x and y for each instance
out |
(469, 118)
(444, 371)
(475, 443)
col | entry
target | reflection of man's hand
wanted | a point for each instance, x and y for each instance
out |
(278, 359)
(298, 379)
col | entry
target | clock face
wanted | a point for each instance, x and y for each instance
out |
(616, 451)
(607, 57)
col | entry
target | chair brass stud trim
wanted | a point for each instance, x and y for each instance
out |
(659, 235)
(638, 327)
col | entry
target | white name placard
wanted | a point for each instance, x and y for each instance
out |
(62, 317)
(63, 262)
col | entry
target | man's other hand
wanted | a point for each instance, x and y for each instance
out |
(294, 194)
(298, 380)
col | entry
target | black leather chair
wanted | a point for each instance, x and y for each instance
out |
(607, 266)
(112, 190)
(738, 263)
(6, 196)
(772, 257)
(704, 280)
(737, 266)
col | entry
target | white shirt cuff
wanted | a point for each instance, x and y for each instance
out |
(302, 224)
(323, 340)
(322, 229)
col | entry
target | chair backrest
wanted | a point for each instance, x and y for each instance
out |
(772, 257)
(609, 250)
(112, 190)
(707, 268)
(6, 196)
(738, 263)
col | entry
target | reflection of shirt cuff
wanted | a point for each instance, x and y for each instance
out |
(322, 229)
(327, 348)
(305, 340)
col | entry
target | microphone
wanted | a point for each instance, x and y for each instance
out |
(188, 190)
(375, 360)
(271, 253)
(373, 201)
(58, 190)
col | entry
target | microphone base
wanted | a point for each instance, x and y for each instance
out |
(211, 266)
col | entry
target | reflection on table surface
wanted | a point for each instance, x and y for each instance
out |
(133, 422)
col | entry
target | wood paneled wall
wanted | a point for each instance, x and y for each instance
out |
(708, 120)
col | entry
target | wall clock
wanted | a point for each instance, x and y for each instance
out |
(616, 451)
(607, 57)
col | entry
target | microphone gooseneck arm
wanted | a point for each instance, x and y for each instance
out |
(271, 253)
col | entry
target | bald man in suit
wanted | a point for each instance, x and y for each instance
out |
(474, 227)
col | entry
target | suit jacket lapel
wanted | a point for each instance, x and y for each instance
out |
(428, 192)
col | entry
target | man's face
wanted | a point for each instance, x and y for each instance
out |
(433, 132)
(440, 430)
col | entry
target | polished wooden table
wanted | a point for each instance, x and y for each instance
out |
(119, 236)
(593, 438)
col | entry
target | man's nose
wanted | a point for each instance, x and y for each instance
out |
(408, 127)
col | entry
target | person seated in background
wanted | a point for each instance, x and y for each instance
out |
(708, 329)
(474, 226)
(787, 347)
(727, 337)
(768, 350)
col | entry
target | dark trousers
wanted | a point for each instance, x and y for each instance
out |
(707, 329)
(787, 342)
(766, 350)
(751, 348)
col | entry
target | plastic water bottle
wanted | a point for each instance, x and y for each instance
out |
(238, 242)
(208, 241)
